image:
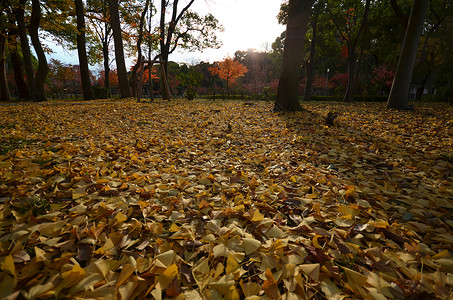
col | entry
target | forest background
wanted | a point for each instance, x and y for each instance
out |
(341, 35)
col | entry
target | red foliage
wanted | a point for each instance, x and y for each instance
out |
(383, 76)
(338, 80)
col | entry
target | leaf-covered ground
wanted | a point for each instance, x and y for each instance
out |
(213, 200)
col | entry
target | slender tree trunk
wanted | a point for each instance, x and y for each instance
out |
(399, 94)
(421, 89)
(139, 63)
(81, 50)
(350, 89)
(105, 53)
(43, 69)
(287, 94)
(309, 64)
(25, 46)
(105, 50)
(123, 80)
(164, 53)
(4, 90)
(150, 66)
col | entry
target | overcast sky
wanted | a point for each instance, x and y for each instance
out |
(247, 23)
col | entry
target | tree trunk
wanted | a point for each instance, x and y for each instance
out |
(399, 93)
(81, 50)
(123, 80)
(4, 90)
(164, 82)
(43, 69)
(164, 53)
(25, 46)
(287, 92)
(18, 75)
(139, 63)
(105, 53)
(349, 95)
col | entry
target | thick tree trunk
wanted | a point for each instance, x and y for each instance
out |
(287, 92)
(123, 80)
(81, 50)
(399, 94)
(26, 53)
(43, 69)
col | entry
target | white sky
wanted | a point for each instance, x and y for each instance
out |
(247, 24)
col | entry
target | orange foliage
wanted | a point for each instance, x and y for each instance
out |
(229, 70)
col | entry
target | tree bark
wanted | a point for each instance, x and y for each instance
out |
(399, 93)
(123, 80)
(349, 95)
(22, 88)
(287, 93)
(81, 50)
(43, 69)
(25, 46)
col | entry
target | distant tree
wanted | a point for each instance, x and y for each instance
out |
(259, 65)
(185, 30)
(229, 70)
(191, 81)
(99, 20)
(349, 18)
(81, 50)
(399, 93)
(298, 17)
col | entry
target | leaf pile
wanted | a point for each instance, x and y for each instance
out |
(215, 200)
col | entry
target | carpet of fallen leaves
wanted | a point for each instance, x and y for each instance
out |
(193, 200)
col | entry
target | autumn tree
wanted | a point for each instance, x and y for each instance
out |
(399, 93)
(287, 92)
(229, 70)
